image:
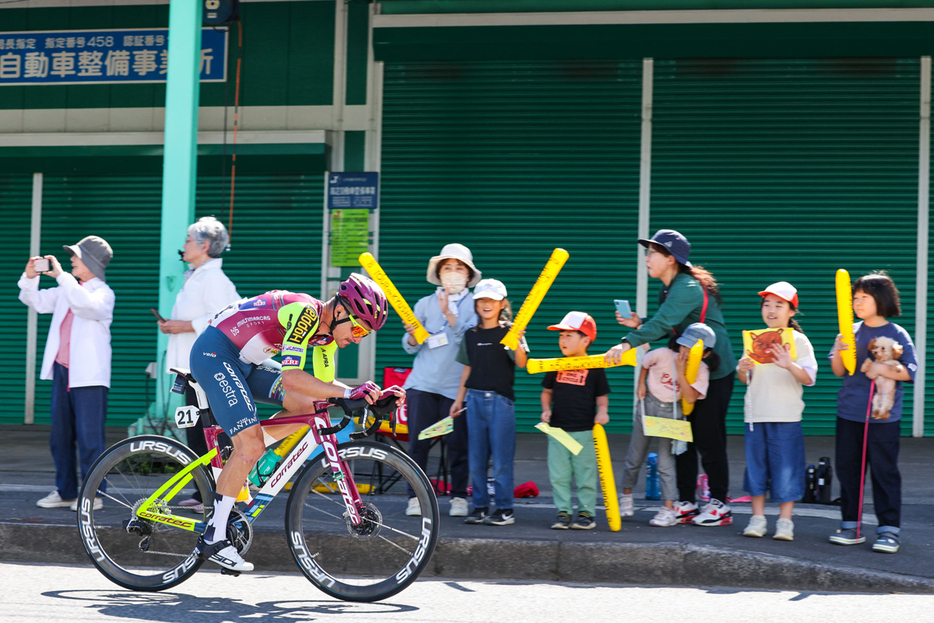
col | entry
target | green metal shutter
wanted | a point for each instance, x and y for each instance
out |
(789, 170)
(16, 207)
(514, 159)
(276, 244)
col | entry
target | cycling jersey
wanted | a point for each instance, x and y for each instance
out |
(279, 322)
(231, 358)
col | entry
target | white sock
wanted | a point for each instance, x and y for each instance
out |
(217, 526)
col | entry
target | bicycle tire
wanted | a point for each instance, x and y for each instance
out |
(113, 536)
(385, 553)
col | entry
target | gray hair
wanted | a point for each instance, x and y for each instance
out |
(209, 229)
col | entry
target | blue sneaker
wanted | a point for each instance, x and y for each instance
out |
(847, 536)
(886, 543)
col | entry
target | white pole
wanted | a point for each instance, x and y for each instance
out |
(645, 189)
(374, 142)
(921, 280)
(32, 323)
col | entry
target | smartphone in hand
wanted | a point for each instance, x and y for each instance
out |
(623, 308)
(155, 313)
(42, 265)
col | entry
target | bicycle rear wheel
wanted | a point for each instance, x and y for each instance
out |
(385, 553)
(136, 553)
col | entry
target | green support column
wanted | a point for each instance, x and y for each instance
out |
(180, 163)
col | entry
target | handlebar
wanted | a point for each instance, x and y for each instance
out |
(381, 410)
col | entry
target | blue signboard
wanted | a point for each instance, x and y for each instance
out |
(123, 56)
(352, 190)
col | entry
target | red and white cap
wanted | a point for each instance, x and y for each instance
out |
(577, 321)
(784, 291)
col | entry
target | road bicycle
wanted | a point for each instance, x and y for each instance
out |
(351, 542)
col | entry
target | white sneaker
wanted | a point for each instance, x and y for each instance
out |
(225, 555)
(413, 509)
(757, 527)
(784, 530)
(714, 513)
(686, 511)
(626, 507)
(664, 518)
(459, 507)
(54, 500)
(98, 504)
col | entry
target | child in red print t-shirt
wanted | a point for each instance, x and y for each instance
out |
(574, 400)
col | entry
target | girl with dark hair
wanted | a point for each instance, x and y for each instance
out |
(875, 299)
(486, 389)
(690, 294)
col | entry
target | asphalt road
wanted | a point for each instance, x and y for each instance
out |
(81, 594)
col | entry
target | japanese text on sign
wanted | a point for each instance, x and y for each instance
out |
(352, 190)
(101, 56)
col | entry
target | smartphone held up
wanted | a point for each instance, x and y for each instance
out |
(42, 265)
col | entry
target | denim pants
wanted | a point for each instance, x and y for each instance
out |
(491, 431)
(78, 416)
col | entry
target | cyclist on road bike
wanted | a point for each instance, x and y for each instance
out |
(230, 360)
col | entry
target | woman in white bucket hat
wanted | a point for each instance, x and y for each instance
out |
(435, 378)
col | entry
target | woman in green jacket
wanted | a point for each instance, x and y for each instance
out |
(690, 294)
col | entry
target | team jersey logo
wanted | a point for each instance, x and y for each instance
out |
(291, 361)
(307, 321)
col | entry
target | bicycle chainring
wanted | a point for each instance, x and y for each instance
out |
(239, 531)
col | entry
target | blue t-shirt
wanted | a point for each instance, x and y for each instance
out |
(853, 397)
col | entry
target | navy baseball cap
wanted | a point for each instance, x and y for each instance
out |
(674, 242)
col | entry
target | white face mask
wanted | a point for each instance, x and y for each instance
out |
(454, 283)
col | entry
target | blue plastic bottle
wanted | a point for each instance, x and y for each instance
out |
(652, 489)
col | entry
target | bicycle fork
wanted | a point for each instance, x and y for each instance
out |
(342, 476)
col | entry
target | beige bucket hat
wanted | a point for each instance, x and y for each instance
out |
(453, 251)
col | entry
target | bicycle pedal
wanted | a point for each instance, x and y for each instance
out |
(225, 571)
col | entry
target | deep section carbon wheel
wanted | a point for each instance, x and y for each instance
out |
(385, 552)
(133, 552)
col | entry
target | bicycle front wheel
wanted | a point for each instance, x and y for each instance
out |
(388, 550)
(136, 553)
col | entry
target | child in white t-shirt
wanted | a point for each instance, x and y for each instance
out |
(662, 383)
(775, 458)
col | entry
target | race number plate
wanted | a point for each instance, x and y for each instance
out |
(186, 417)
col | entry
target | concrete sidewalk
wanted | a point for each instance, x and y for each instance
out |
(530, 550)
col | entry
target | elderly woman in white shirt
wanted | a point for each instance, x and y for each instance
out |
(207, 290)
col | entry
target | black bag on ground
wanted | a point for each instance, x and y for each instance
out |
(824, 481)
(810, 483)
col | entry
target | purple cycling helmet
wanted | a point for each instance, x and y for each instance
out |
(365, 300)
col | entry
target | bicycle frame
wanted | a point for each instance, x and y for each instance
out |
(155, 507)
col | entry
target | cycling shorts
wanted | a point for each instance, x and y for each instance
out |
(233, 387)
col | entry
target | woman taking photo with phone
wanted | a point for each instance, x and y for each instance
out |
(690, 294)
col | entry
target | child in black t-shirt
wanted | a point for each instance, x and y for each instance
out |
(570, 399)
(486, 385)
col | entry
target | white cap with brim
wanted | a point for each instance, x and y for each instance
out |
(453, 251)
(94, 252)
(490, 289)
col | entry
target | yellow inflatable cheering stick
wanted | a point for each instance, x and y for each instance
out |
(530, 305)
(607, 481)
(534, 366)
(845, 319)
(690, 373)
(392, 295)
